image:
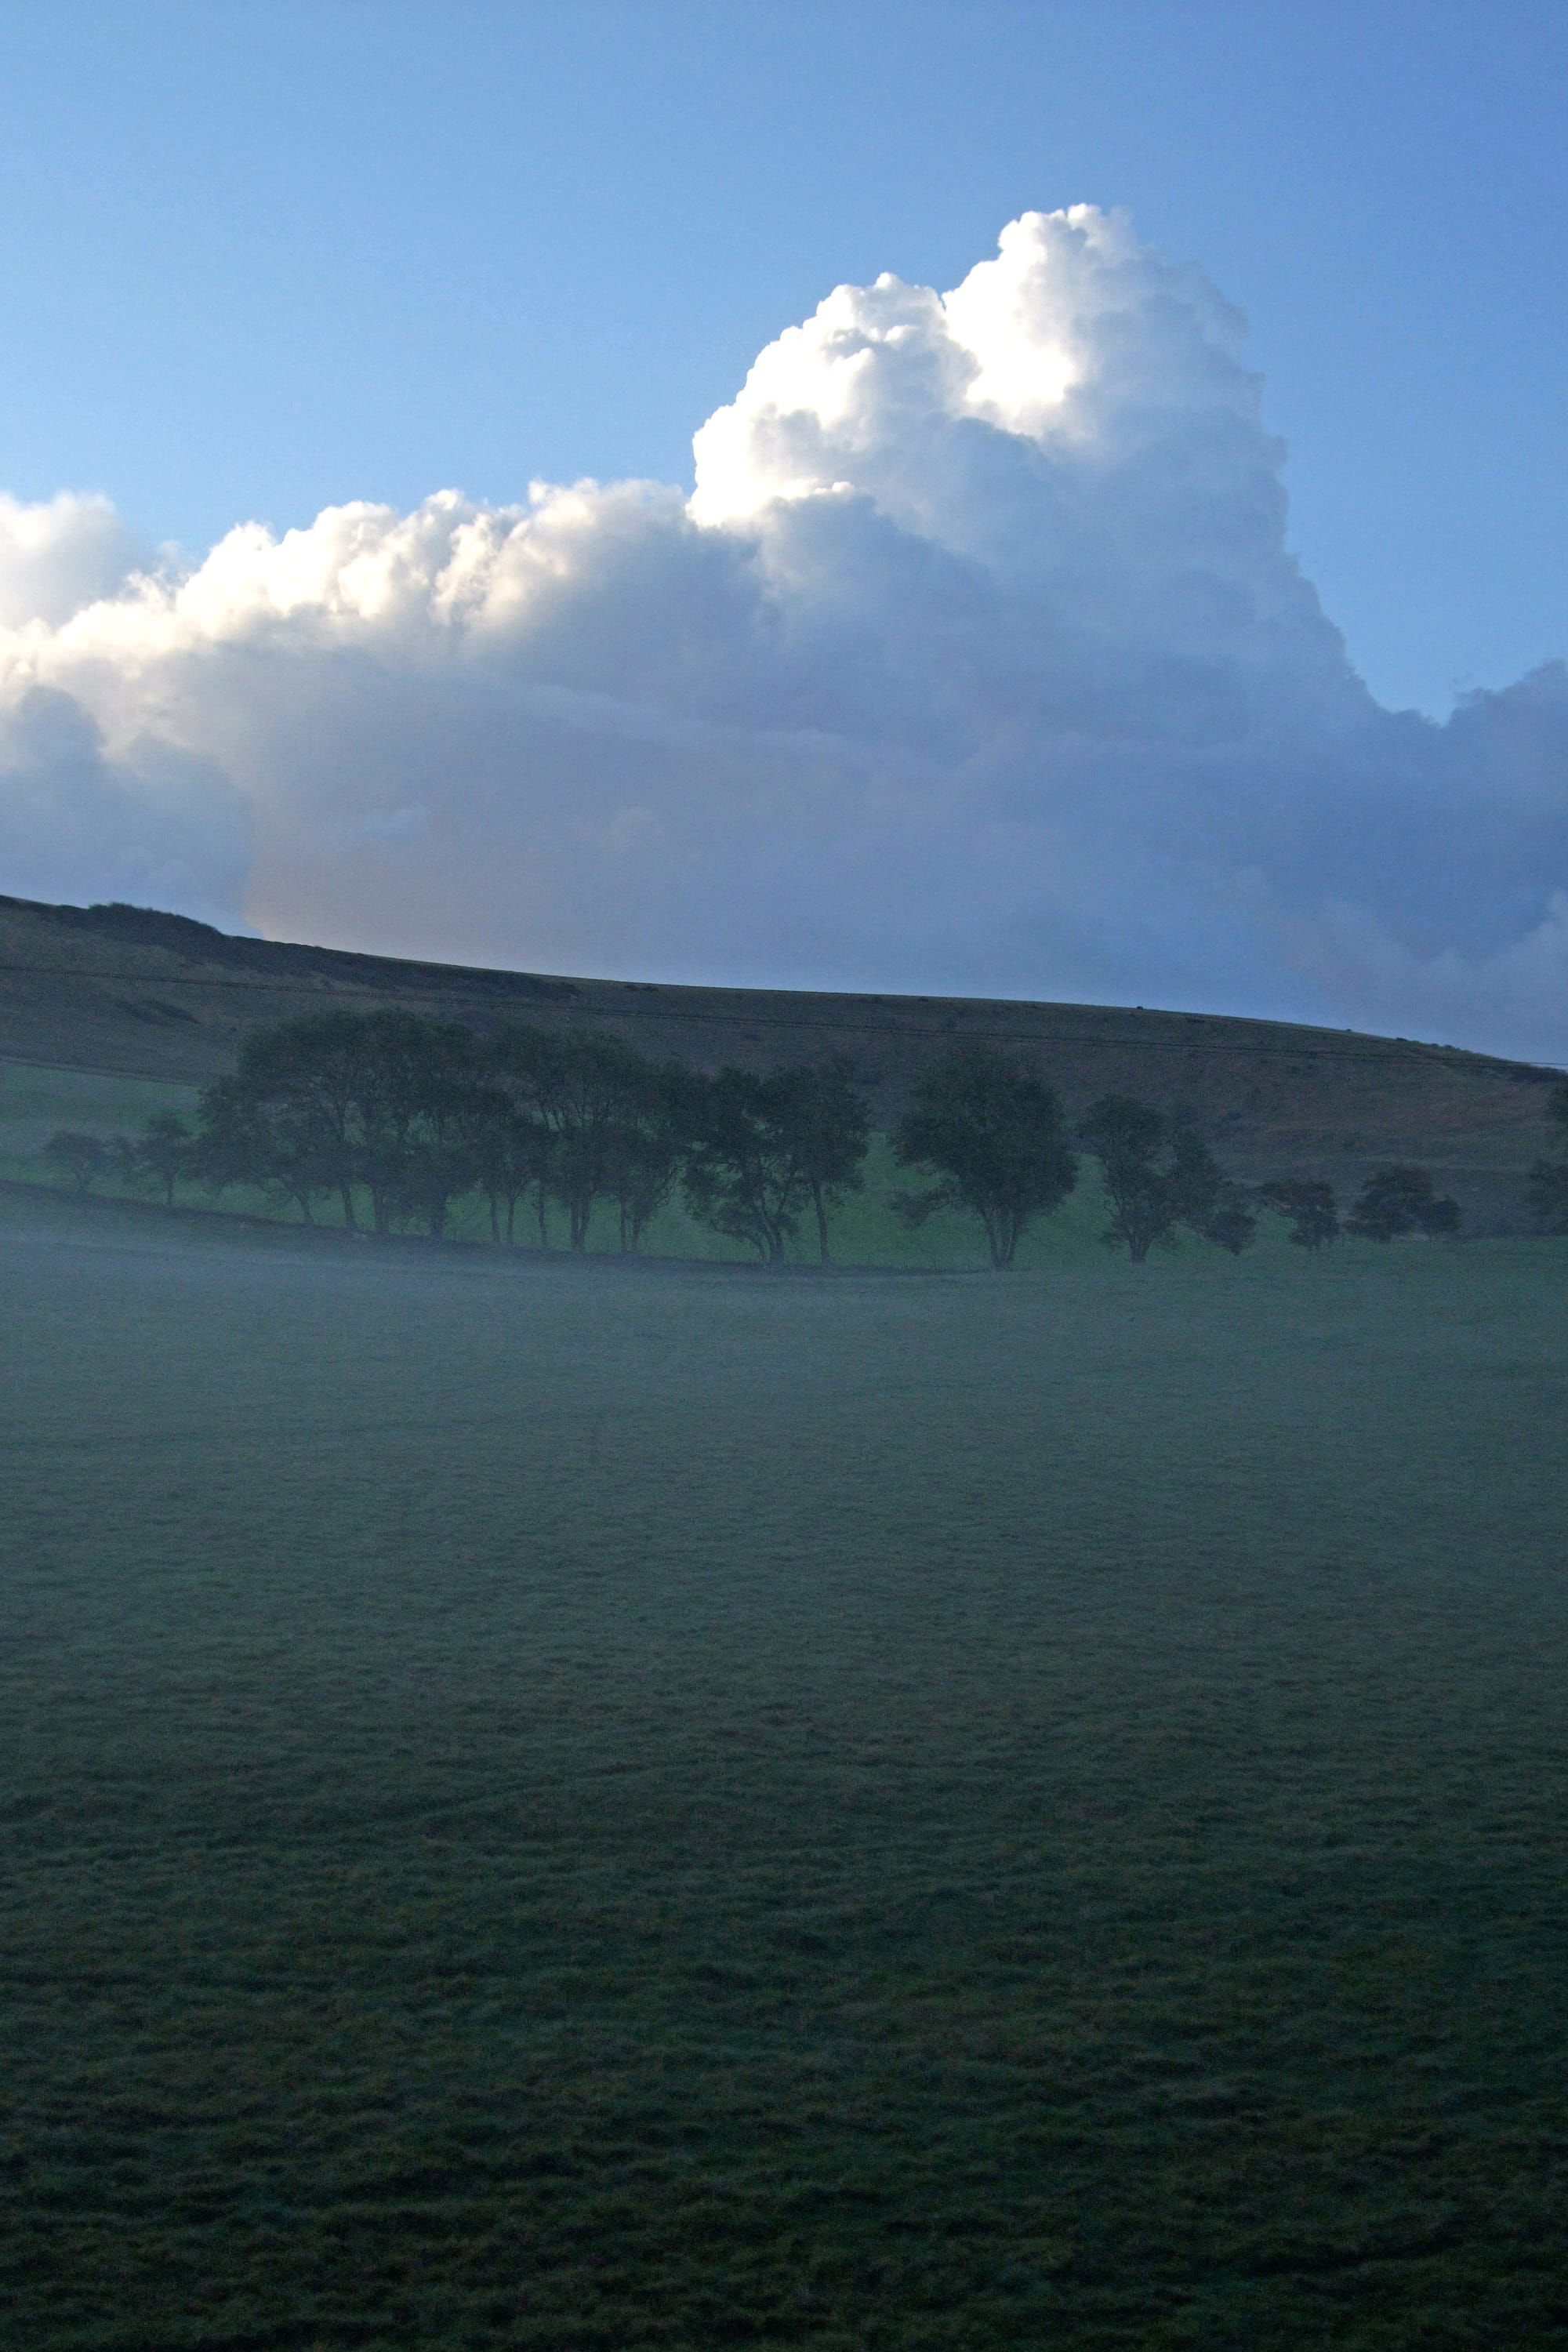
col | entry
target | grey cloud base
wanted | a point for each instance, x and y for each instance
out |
(976, 662)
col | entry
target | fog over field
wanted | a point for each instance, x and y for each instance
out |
(561, 1805)
(975, 660)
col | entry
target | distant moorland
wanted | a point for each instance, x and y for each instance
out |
(110, 1015)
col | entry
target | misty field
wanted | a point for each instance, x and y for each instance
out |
(579, 1807)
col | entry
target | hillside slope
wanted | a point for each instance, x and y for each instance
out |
(130, 993)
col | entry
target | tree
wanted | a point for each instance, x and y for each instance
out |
(293, 1117)
(387, 1102)
(1232, 1221)
(262, 1140)
(648, 1145)
(399, 1084)
(1126, 1137)
(590, 1089)
(83, 1159)
(1159, 1173)
(429, 1107)
(1548, 1182)
(159, 1155)
(1548, 1193)
(1310, 1204)
(506, 1153)
(1396, 1200)
(986, 1132)
(743, 1173)
(831, 1126)
(522, 1064)
(1202, 1197)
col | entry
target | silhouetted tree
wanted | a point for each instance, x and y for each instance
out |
(831, 1125)
(83, 1159)
(1125, 1137)
(393, 1078)
(427, 1108)
(743, 1173)
(1547, 1187)
(263, 1139)
(296, 1102)
(507, 1156)
(525, 1064)
(1199, 1189)
(159, 1155)
(1159, 1174)
(384, 1101)
(588, 1087)
(989, 1131)
(1549, 1178)
(1396, 1200)
(1231, 1222)
(648, 1145)
(1310, 1204)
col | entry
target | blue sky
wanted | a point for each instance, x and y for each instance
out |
(261, 258)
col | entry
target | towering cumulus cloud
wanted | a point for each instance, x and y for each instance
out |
(976, 661)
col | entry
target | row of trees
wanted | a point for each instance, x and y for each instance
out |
(395, 1118)
(157, 1157)
(399, 1117)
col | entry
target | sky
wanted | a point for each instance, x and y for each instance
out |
(268, 266)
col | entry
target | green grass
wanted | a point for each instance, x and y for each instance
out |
(35, 1099)
(560, 1807)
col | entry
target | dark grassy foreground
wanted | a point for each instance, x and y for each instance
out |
(571, 1808)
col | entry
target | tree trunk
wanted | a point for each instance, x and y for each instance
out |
(495, 1221)
(820, 1206)
(510, 1217)
(350, 1222)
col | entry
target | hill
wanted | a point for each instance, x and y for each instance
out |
(124, 993)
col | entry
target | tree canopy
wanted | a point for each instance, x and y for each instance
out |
(1159, 1174)
(1308, 1202)
(81, 1159)
(1399, 1200)
(987, 1133)
(406, 1113)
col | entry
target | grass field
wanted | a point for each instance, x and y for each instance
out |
(582, 1807)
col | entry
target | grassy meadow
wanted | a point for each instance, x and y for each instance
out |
(571, 1807)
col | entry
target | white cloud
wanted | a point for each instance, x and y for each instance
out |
(977, 660)
(58, 555)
